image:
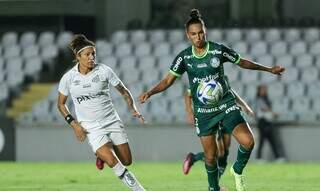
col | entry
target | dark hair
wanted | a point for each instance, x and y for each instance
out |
(195, 17)
(78, 42)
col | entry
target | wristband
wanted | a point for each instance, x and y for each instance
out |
(69, 118)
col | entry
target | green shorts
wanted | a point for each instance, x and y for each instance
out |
(226, 120)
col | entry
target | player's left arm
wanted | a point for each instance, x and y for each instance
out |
(247, 64)
(124, 91)
(243, 104)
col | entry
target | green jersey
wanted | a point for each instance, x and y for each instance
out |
(209, 66)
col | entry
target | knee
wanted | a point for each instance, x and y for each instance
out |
(249, 144)
(210, 158)
(127, 162)
(221, 153)
(111, 162)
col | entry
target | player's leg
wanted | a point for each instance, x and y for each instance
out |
(123, 152)
(210, 151)
(189, 161)
(244, 136)
(106, 154)
(223, 156)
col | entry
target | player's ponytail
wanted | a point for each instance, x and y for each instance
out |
(80, 42)
(195, 17)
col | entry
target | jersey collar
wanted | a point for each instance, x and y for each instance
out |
(205, 53)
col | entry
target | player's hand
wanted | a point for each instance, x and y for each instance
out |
(143, 97)
(277, 70)
(190, 118)
(80, 132)
(139, 116)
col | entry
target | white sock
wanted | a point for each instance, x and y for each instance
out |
(127, 177)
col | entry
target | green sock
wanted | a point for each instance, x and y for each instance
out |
(242, 159)
(198, 156)
(223, 161)
(213, 180)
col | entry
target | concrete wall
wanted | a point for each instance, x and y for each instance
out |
(149, 144)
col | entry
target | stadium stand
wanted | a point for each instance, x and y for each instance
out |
(141, 58)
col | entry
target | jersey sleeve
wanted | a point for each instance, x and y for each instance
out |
(64, 85)
(230, 55)
(112, 77)
(178, 65)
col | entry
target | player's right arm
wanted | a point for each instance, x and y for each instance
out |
(161, 86)
(61, 104)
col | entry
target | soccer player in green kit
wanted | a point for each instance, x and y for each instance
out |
(204, 60)
(223, 140)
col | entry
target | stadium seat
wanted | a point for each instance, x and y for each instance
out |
(119, 37)
(238, 87)
(123, 50)
(177, 48)
(164, 63)
(33, 66)
(147, 63)
(241, 47)
(249, 76)
(258, 49)
(266, 60)
(315, 48)
(11, 51)
(176, 36)
(290, 75)
(4, 93)
(216, 35)
(253, 35)
(272, 35)
(315, 104)
(304, 61)
(142, 49)
(296, 90)
(309, 75)
(15, 79)
(311, 35)
(161, 50)
(104, 49)
(46, 38)
(233, 35)
(14, 65)
(28, 39)
(266, 77)
(2, 63)
(138, 36)
(176, 90)
(313, 90)
(278, 48)
(9, 39)
(136, 89)
(128, 63)
(48, 53)
(233, 73)
(284, 61)
(63, 39)
(301, 104)
(292, 34)
(276, 90)
(111, 61)
(280, 105)
(297, 48)
(157, 36)
(30, 51)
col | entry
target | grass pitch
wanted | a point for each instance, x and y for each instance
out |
(153, 176)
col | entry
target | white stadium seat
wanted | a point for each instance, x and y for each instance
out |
(278, 48)
(296, 90)
(215, 35)
(142, 49)
(311, 34)
(157, 36)
(176, 36)
(253, 35)
(123, 50)
(162, 49)
(292, 34)
(272, 35)
(46, 38)
(119, 37)
(28, 39)
(297, 48)
(9, 39)
(284, 61)
(233, 35)
(241, 47)
(304, 61)
(111, 61)
(290, 75)
(12, 51)
(138, 36)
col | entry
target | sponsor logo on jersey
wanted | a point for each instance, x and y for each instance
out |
(176, 66)
(230, 57)
(232, 108)
(88, 97)
(207, 78)
(76, 82)
(202, 65)
(215, 62)
(210, 110)
(188, 56)
(190, 65)
(95, 79)
(214, 52)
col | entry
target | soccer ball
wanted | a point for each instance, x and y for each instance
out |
(209, 92)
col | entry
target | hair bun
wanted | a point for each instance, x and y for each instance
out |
(195, 14)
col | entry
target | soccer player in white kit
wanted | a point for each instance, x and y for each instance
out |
(87, 83)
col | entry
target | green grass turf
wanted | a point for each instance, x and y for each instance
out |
(154, 177)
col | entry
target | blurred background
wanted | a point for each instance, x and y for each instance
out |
(138, 39)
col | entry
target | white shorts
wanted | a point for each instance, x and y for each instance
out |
(100, 134)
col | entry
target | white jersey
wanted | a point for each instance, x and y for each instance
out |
(90, 93)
